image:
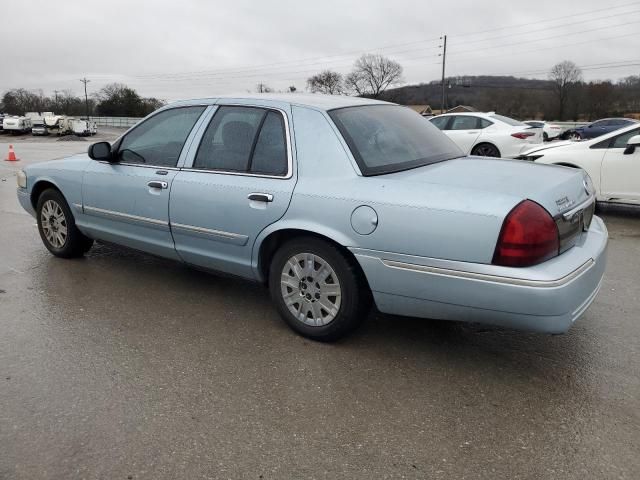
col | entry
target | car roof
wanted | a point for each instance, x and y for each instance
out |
(615, 118)
(312, 100)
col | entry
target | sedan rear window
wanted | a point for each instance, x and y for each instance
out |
(391, 138)
(507, 120)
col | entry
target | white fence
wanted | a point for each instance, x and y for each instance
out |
(122, 122)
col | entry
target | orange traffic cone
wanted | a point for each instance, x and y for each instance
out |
(11, 156)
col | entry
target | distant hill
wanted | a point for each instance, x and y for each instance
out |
(509, 95)
(525, 98)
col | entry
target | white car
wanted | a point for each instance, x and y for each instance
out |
(488, 134)
(549, 130)
(611, 160)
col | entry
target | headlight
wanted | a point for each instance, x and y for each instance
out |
(22, 179)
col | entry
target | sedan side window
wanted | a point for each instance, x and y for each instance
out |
(462, 122)
(158, 141)
(244, 139)
(440, 122)
(270, 154)
(621, 140)
(229, 138)
(484, 123)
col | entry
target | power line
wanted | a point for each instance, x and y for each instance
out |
(573, 15)
(319, 60)
(564, 25)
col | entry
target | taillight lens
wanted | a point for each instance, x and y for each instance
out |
(528, 236)
(523, 135)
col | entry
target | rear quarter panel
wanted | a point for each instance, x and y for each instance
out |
(417, 218)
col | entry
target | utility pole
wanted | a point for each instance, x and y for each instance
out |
(86, 98)
(444, 61)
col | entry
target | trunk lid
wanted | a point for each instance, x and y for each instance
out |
(557, 189)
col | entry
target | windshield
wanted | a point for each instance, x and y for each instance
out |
(507, 120)
(391, 138)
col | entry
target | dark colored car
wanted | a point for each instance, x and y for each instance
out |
(597, 128)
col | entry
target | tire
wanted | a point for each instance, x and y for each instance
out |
(545, 137)
(575, 136)
(344, 312)
(485, 150)
(54, 219)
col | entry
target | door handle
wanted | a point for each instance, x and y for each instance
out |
(158, 184)
(260, 197)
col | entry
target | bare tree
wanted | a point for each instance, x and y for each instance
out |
(263, 88)
(565, 77)
(372, 75)
(327, 81)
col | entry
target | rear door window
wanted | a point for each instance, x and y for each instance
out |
(226, 145)
(246, 140)
(270, 153)
(464, 122)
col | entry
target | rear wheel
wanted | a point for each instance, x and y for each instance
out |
(485, 150)
(317, 290)
(57, 226)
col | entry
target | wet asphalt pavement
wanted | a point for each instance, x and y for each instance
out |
(120, 365)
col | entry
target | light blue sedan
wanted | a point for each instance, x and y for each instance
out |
(334, 202)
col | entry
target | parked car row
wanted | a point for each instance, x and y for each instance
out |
(596, 129)
(492, 135)
(611, 160)
(336, 202)
(43, 123)
(488, 134)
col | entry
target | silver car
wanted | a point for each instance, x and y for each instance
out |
(334, 203)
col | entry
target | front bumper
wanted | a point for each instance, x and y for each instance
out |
(25, 201)
(546, 298)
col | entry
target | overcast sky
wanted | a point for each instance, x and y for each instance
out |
(193, 48)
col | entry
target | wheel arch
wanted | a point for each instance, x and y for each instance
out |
(271, 241)
(40, 186)
(486, 142)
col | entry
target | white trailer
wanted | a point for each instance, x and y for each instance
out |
(83, 128)
(16, 124)
(65, 125)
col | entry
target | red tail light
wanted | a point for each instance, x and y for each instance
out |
(528, 236)
(523, 135)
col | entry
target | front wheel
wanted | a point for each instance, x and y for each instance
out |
(575, 136)
(485, 150)
(317, 290)
(57, 226)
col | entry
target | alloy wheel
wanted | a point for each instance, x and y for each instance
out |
(310, 289)
(54, 223)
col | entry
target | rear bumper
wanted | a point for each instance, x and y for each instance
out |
(546, 298)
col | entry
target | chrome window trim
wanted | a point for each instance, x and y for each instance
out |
(157, 167)
(126, 216)
(446, 272)
(289, 147)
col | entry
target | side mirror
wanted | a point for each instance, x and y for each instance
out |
(632, 143)
(100, 151)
